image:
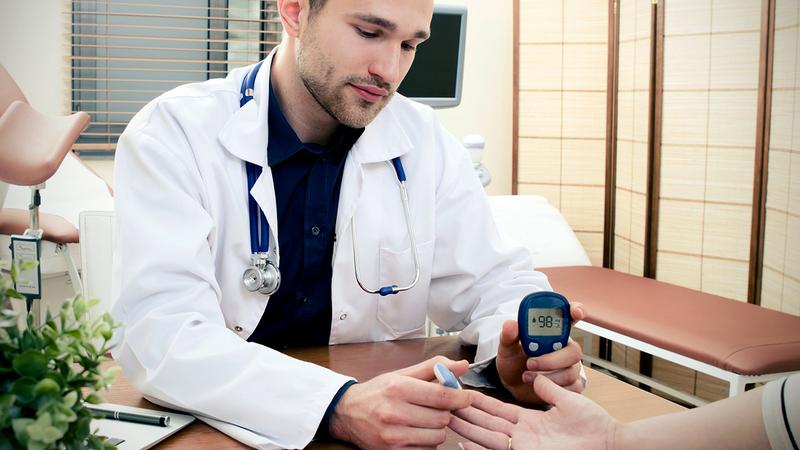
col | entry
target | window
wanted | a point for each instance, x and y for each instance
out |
(125, 53)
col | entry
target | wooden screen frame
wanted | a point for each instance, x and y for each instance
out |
(612, 86)
(761, 164)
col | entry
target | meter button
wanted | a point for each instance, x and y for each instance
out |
(557, 346)
(533, 346)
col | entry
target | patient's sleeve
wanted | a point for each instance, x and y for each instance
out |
(781, 410)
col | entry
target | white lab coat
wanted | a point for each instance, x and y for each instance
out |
(183, 243)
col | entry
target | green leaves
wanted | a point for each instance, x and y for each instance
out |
(29, 364)
(48, 372)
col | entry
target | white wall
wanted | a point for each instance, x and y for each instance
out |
(33, 49)
(487, 96)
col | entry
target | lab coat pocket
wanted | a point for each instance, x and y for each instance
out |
(404, 313)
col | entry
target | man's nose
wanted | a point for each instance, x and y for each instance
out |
(386, 64)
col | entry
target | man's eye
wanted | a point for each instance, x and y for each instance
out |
(409, 47)
(366, 34)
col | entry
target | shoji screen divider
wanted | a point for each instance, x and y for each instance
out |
(702, 119)
(632, 138)
(780, 282)
(711, 82)
(561, 118)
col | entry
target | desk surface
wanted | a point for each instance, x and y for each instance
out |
(364, 361)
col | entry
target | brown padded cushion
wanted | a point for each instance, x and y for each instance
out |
(735, 336)
(56, 228)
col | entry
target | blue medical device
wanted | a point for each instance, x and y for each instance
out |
(445, 376)
(544, 322)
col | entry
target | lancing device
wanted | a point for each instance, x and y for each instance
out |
(148, 419)
(544, 322)
(445, 376)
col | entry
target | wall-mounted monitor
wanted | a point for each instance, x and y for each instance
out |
(436, 75)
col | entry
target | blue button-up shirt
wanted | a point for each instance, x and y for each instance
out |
(307, 180)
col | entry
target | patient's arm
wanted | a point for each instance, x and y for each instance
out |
(575, 421)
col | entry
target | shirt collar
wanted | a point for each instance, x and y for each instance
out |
(283, 142)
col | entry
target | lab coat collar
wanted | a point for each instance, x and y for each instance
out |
(244, 135)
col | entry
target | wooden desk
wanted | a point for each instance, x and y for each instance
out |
(364, 361)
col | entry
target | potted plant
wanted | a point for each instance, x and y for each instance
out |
(47, 372)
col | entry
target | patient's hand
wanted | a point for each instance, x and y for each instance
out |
(573, 422)
(518, 371)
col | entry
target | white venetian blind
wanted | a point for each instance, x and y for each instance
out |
(125, 53)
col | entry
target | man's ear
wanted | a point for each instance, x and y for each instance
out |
(290, 15)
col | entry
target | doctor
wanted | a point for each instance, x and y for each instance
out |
(292, 169)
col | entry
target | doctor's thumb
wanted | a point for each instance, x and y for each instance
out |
(509, 339)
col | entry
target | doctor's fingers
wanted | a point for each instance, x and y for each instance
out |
(425, 393)
(564, 377)
(577, 311)
(407, 414)
(509, 346)
(424, 370)
(566, 357)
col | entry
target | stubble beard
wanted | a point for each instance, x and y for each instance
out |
(317, 74)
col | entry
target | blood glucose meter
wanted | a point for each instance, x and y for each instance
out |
(544, 322)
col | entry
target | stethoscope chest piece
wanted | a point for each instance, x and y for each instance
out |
(262, 275)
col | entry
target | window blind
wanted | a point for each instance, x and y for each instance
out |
(125, 53)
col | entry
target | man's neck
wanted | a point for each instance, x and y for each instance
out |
(310, 122)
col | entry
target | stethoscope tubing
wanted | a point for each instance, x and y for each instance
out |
(391, 289)
(259, 227)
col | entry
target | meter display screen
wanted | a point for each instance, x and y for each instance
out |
(545, 321)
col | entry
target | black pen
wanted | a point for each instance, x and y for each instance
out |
(149, 419)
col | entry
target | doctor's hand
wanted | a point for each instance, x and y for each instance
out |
(518, 371)
(399, 409)
(573, 422)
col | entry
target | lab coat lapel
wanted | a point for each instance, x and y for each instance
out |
(382, 140)
(245, 137)
(245, 133)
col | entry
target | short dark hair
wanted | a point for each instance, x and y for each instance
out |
(316, 5)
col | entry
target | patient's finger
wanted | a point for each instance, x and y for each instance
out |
(471, 446)
(484, 420)
(495, 407)
(549, 392)
(477, 434)
(563, 377)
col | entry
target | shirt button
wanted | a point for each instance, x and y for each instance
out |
(238, 329)
(304, 299)
(315, 230)
(343, 316)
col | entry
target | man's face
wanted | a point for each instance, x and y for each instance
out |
(352, 54)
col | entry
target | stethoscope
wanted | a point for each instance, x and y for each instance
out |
(263, 275)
